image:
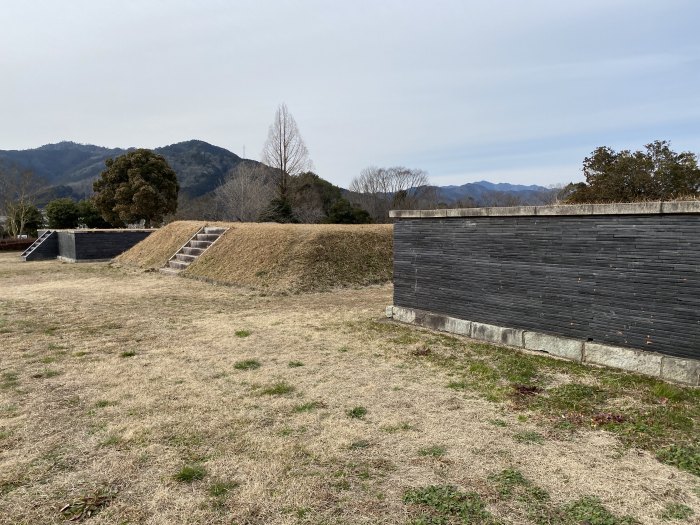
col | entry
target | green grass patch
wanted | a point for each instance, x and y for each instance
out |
(511, 483)
(111, 440)
(445, 504)
(220, 489)
(529, 437)
(434, 451)
(591, 511)
(278, 389)
(308, 407)
(676, 511)
(9, 380)
(295, 364)
(247, 364)
(47, 373)
(666, 391)
(684, 457)
(191, 473)
(357, 413)
(128, 353)
(532, 504)
(243, 333)
(399, 427)
(571, 397)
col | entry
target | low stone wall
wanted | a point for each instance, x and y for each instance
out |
(97, 245)
(87, 245)
(617, 285)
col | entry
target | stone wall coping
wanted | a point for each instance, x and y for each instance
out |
(624, 208)
(99, 230)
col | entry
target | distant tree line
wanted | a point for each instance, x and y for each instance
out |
(140, 187)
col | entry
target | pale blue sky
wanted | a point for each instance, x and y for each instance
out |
(508, 91)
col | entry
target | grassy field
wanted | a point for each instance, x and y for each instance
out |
(132, 397)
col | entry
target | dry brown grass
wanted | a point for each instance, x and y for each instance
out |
(81, 424)
(298, 257)
(155, 250)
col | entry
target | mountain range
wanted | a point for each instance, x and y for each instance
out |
(67, 169)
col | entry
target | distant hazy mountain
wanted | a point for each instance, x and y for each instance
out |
(68, 169)
(486, 193)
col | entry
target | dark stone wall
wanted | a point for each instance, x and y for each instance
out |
(94, 244)
(48, 249)
(627, 280)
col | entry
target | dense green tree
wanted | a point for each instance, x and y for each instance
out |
(279, 210)
(139, 185)
(310, 189)
(658, 173)
(89, 216)
(343, 212)
(62, 213)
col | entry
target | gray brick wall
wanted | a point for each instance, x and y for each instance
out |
(627, 280)
(95, 244)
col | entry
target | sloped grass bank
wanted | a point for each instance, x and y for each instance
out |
(277, 258)
(298, 257)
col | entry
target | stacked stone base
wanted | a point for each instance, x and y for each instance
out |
(668, 368)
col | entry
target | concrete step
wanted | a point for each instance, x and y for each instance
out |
(200, 244)
(215, 231)
(169, 271)
(193, 251)
(211, 237)
(178, 265)
(185, 258)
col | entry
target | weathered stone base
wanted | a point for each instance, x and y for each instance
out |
(674, 369)
(69, 260)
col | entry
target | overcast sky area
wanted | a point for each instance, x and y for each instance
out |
(506, 91)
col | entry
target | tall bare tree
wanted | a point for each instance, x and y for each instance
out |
(244, 193)
(17, 190)
(379, 190)
(285, 150)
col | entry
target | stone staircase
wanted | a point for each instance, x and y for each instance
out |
(45, 247)
(195, 247)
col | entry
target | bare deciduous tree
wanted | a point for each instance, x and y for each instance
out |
(379, 190)
(244, 194)
(17, 190)
(285, 150)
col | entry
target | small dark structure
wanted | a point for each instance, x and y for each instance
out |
(83, 245)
